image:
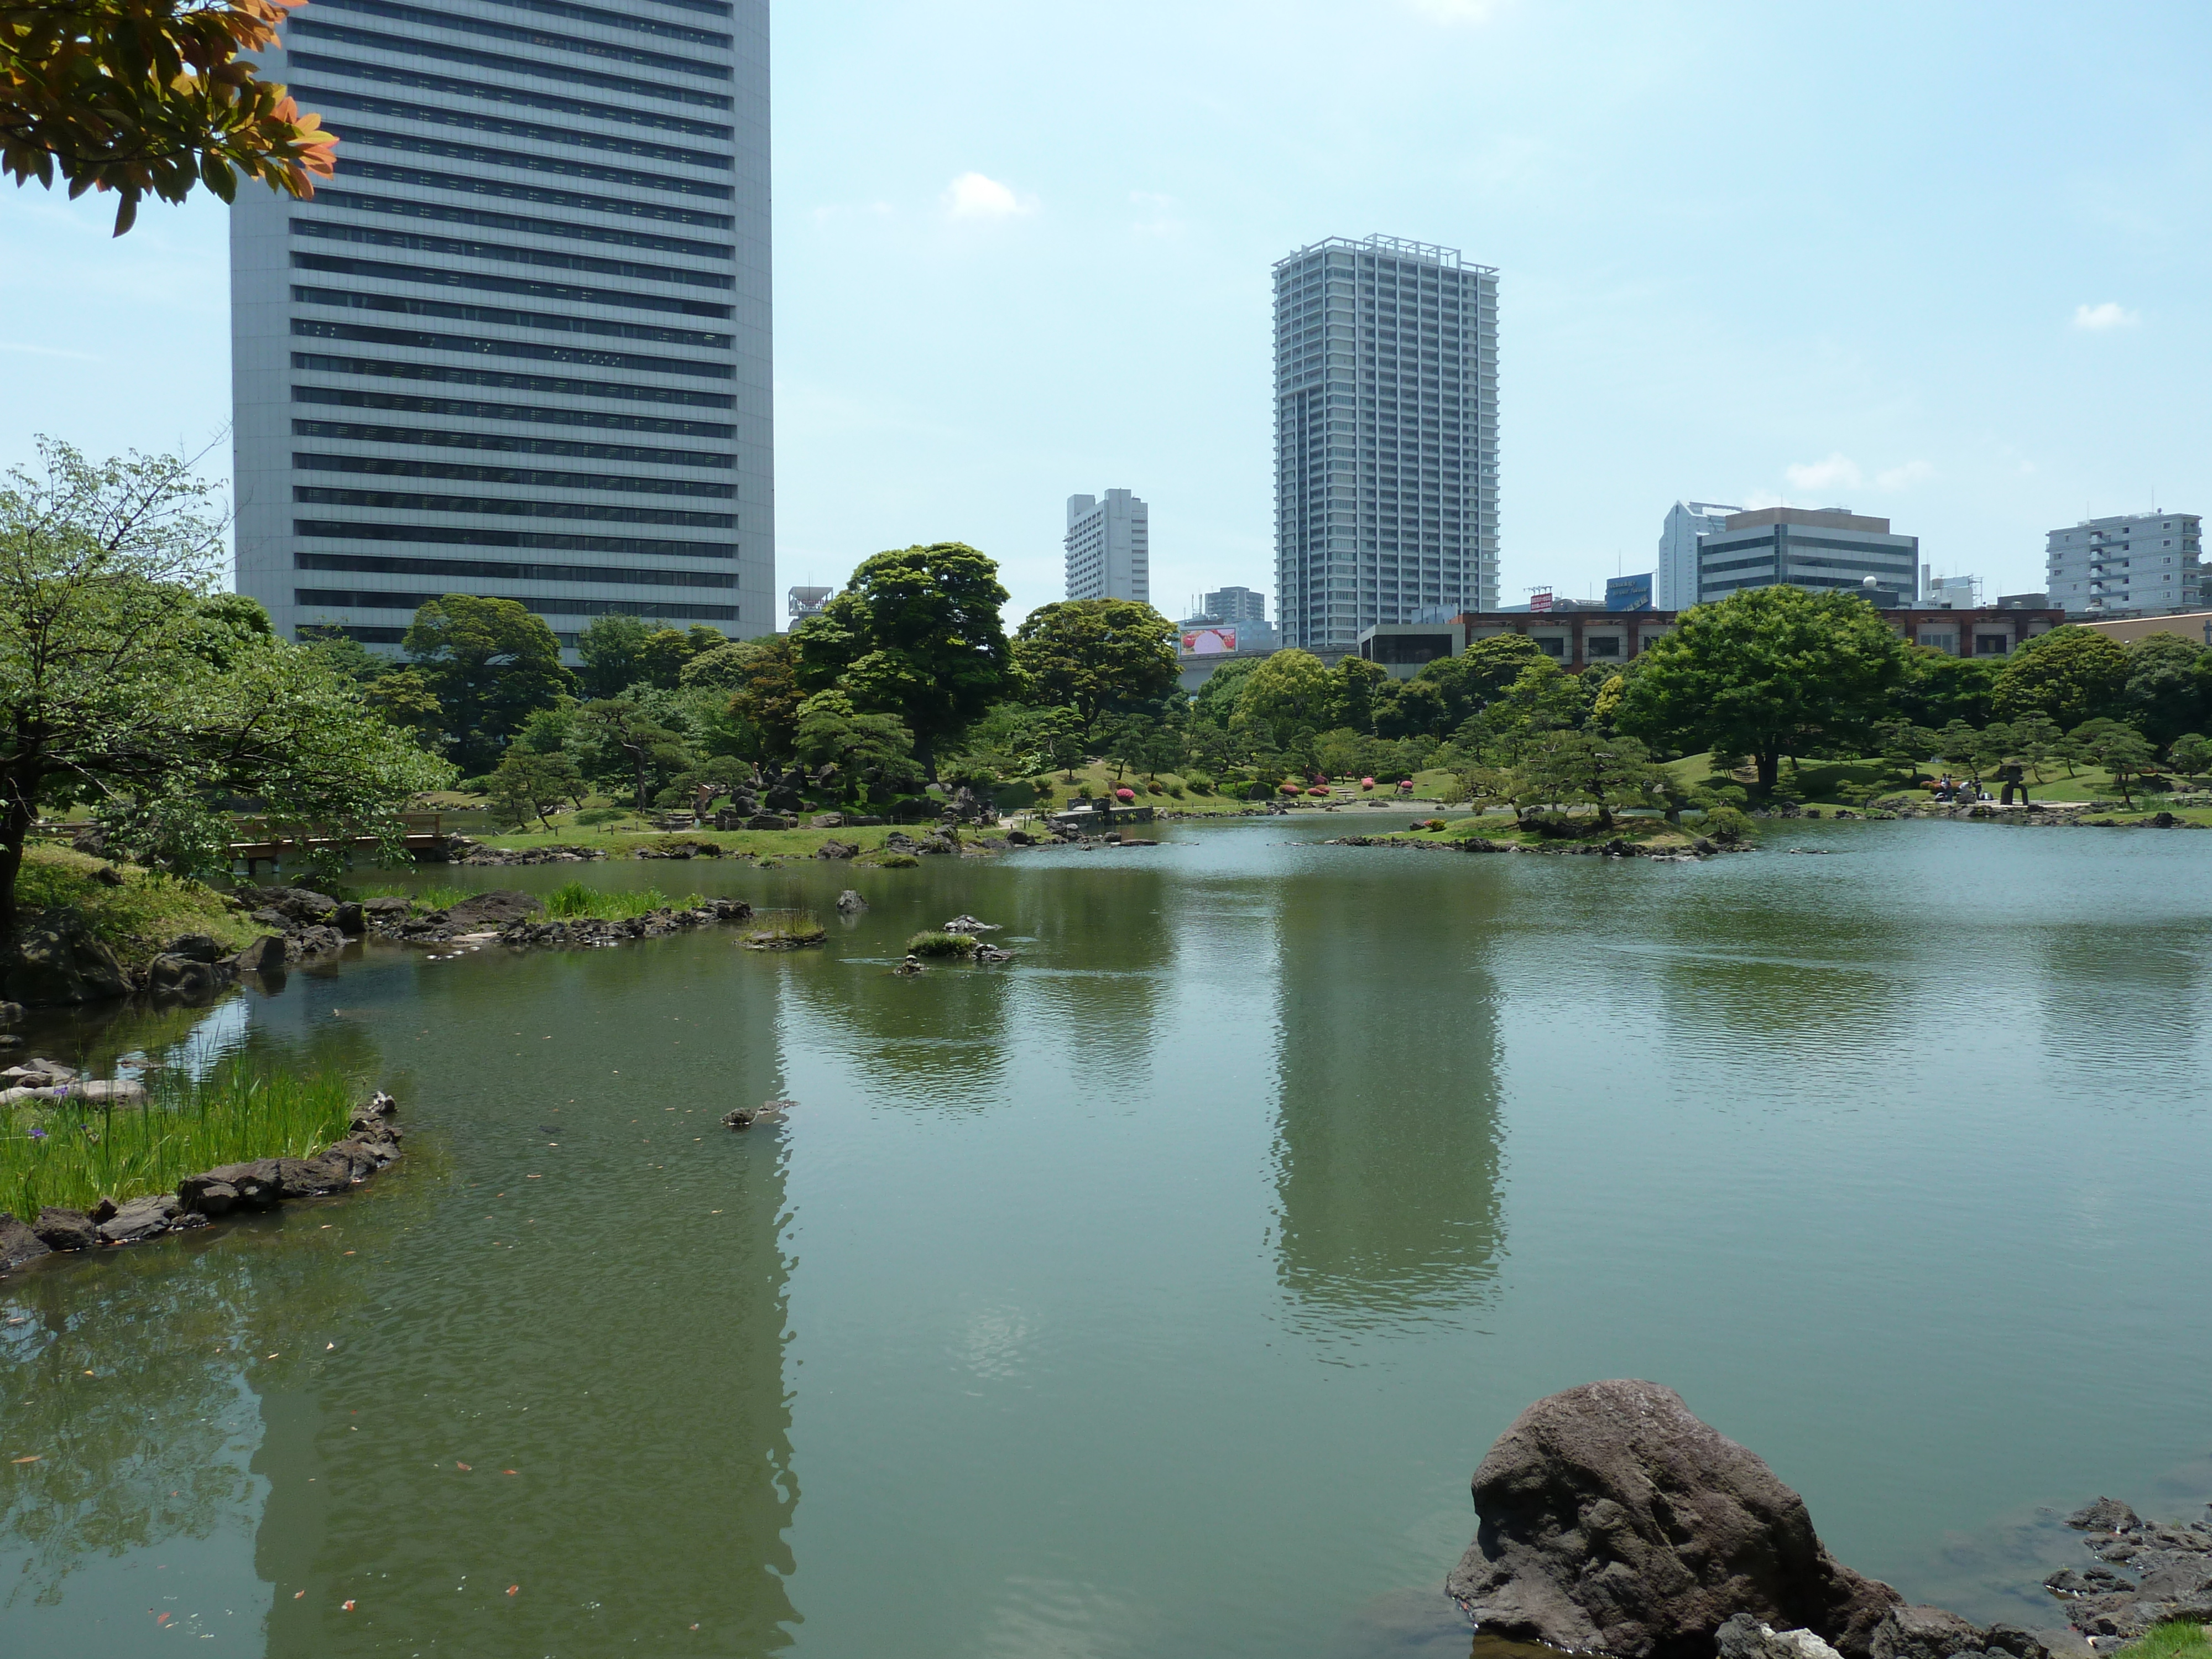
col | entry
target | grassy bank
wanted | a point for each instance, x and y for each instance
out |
(135, 916)
(2184, 1639)
(69, 1154)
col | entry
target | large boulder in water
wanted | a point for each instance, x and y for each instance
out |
(54, 959)
(1613, 1520)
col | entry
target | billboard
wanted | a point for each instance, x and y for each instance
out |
(1209, 642)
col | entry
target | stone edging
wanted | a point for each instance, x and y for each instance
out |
(371, 1144)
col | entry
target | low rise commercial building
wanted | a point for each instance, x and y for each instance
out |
(1821, 550)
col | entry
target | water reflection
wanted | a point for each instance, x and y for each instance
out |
(1387, 1131)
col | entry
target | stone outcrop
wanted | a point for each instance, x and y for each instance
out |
(1613, 1520)
(54, 959)
(2173, 1567)
(460, 849)
(850, 904)
(654, 924)
(1744, 1638)
(834, 848)
(18, 1243)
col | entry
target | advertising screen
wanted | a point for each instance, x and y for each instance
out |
(1209, 642)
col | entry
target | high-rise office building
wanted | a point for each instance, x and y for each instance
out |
(1109, 547)
(1386, 437)
(519, 346)
(1675, 579)
(1817, 548)
(1235, 604)
(2128, 565)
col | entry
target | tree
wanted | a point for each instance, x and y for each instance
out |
(490, 665)
(1940, 688)
(1487, 666)
(125, 681)
(2192, 754)
(2165, 696)
(2035, 739)
(1287, 690)
(873, 753)
(136, 96)
(1764, 671)
(2071, 674)
(613, 650)
(761, 677)
(626, 729)
(914, 633)
(1357, 689)
(1904, 745)
(1564, 766)
(527, 783)
(1543, 698)
(2121, 750)
(1096, 657)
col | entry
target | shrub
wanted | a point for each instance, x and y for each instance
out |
(1125, 794)
(934, 944)
(1321, 790)
(1287, 788)
(895, 861)
(1199, 784)
(1727, 823)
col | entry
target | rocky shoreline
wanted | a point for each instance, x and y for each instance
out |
(372, 1143)
(505, 916)
(1618, 847)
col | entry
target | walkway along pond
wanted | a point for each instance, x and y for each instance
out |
(1154, 1292)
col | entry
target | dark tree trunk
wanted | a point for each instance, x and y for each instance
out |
(16, 821)
(1769, 767)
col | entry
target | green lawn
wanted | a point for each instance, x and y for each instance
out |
(135, 919)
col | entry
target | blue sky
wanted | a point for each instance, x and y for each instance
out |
(1945, 263)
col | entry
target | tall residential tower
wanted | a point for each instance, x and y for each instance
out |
(519, 347)
(1386, 437)
(1109, 547)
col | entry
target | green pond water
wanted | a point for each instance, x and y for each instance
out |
(1155, 1294)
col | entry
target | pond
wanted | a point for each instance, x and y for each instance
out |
(1155, 1294)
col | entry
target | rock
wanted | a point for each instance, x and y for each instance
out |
(991, 953)
(18, 1243)
(2185, 1580)
(314, 941)
(1614, 1519)
(256, 1184)
(118, 1091)
(911, 966)
(388, 906)
(351, 921)
(193, 947)
(141, 1219)
(102, 1209)
(826, 820)
(207, 1195)
(10, 1012)
(1020, 838)
(37, 1074)
(54, 959)
(771, 821)
(494, 909)
(2105, 1515)
(65, 1230)
(2011, 1638)
(967, 924)
(1924, 1633)
(850, 904)
(303, 1177)
(837, 849)
(2093, 1581)
(264, 956)
(1744, 1637)
(170, 975)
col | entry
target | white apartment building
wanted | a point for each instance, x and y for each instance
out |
(2136, 564)
(1386, 437)
(1235, 604)
(520, 346)
(1109, 547)
(1675, 579)
(1821, 550)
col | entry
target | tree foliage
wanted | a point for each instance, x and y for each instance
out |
(2070, 674)
(1766, 672)
(1098, 656)
(125, 681)
(873, 753)
(2165, 694)
(489, 664)
(146, 97)
(914, 633)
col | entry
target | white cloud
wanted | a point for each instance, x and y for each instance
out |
(2111, 314)
(1457, 11)
(1904, 478)
(974, 196)
(1838, 471)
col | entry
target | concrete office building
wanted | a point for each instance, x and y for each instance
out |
(520, 346)
(1674, 580)
(1109, 547)
(2136, 564)
(1386, 437)
(1821, 551)
(1235, 604)
(1949, 593)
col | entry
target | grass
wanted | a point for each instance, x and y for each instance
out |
(69, 1154)
(891, 862)
(788, 928)
(137, 919)
(572, 900)
(934, 944)
(2182, 1639)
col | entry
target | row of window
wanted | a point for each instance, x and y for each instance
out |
(544, 541)
(522, 97)
(445, 213)
(326, 598)
(329, 98)
(419, 17)
(512, 380)
(551, 258)
(501, 507)
(499, 62)
(545, 195)
(470, 409)
(316, 329)
(631, 20)
(454, 149)
(356, 432)
(497, 570)
(532, 287)
(470, 472)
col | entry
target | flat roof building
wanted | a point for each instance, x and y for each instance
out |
(1386, 437)
(1674, 578)
(2135, 564)
(519, 347)
(1822, 549)
(1109, 547)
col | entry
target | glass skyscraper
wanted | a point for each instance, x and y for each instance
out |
(520, 345)
(1386, 437)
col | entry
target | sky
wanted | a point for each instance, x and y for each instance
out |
(1943, 263)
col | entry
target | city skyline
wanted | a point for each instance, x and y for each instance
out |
(1923, 317)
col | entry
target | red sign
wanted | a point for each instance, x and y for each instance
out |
(1540, 599)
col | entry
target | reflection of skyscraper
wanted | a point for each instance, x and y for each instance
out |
(1387, 1134)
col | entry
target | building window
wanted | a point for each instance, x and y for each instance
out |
(1992, 645)
(1603, 645)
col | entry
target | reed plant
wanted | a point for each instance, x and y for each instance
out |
(784, 929)
(69, 1153)
(934, 944)
(572, 900)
